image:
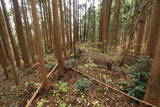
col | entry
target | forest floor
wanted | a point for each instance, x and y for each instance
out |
(73, 89)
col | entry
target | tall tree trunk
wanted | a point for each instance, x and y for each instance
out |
(20, 33)
(70, 20)
(4, 31)
(154, 29)
(62, 27)
(43, 26)
(28, 35)
(3, 59)
(74, 27)
(147, 27)
(6, 43)
(94, 22)
(15, 49)
(50, 23)
(105, 23)
(140, 33)
(66, 22)
(100, 24)
(152, 94)
(57, 42)
(38, 36)
(88, 24)
(85, 23)
(116, 22)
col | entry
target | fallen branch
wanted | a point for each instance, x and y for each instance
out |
(32, 67)
(39, 88)
(136, 99)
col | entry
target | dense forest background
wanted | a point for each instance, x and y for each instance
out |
(85, 53)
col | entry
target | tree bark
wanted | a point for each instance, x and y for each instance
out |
(140, 33)
(153, 88)
(3, 59)
(62, 28)
(4, 31)
(27, 32)
(43, 73)
(20, 33)
(116, 22)
(154, 29)
(15, 49)
(57, 42)
(105, 23)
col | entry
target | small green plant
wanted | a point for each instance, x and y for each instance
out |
(82, 84)
(62, 104)
(125, 68)
(41, 102)
(62, 86)
(56, 93)
(90, 65)
(36, 84)
(139, 74)
(109, 81)
(13, 88)
(123, 83)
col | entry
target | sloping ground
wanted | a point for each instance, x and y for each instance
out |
(100, 66)
(69, 90)
(12, 96)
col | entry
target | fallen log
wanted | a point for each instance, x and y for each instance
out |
(105, 84)
(39, 88)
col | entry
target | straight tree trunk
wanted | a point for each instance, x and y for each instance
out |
(154, 29)
(43, 73)
(100, 25)
(45, 23)
(94, 22)
(50, 23)
(3, 59)
(5, 41)
(85, 23)
(15, 49)
(147, 27)
(43, 26)
(62, 27)
(27, 34)
(152, 94)
(30, 35)
(20, 33)
(88, 24)
(74, 27)
(5, 33)
(140, 33)
(70, 20)
(66, 23)
(105, 23)
(56, 41)
(116, 22)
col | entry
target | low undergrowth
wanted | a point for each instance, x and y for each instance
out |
(139, 74)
